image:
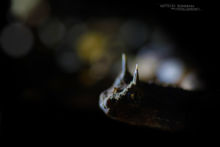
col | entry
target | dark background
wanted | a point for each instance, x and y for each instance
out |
(50, 116)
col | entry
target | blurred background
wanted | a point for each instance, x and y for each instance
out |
(58, 56)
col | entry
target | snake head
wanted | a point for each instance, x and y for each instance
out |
(123, 94)
(132, 101)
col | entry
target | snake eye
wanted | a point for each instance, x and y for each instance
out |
(131, 95)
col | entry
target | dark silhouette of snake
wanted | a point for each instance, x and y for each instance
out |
(149, 104)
